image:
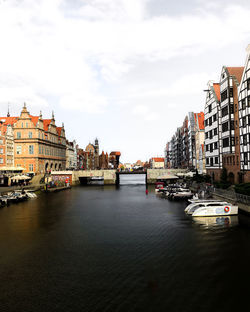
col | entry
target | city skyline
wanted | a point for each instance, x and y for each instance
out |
(125, 72)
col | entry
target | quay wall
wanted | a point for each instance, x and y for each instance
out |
(153, 174)
(109, 176)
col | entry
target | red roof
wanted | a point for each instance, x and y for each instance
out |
(34, 119)
(217, 90)
(59, 130)
(236, 71)
(9, 120)
(46, 123)
(115, 154)
(158, 159)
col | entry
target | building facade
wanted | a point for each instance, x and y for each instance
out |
(71, 155)
(157, 162)
(230, 138)
(212, 120)
(244, 121)
(40, 146)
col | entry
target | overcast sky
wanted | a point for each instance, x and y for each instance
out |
(125, 71)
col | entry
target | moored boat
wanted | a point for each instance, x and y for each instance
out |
(211, 208)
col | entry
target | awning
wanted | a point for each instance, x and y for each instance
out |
(11, 168)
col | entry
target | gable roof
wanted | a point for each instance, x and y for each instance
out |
(59, 131)
(9, 120)
(217, 90)
(236, 71)
(46, 123)
(158, 159)
(34, 119)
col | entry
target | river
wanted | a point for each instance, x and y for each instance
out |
(102, 248)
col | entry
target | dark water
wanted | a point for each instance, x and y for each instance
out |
(106, 249)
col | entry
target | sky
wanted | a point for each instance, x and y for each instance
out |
(124, 71)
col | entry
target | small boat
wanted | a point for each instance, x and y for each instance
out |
(29, 193)
(159, 186)
(200, 203)
(211, 208)
(16, 196)
(181, 194)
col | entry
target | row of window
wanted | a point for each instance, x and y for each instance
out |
(210, 161)
(40, 136)
(245, 103)
(211, 133)
(42, 150)
(224, 94)
(19, 136)
(211, 147)
(210, 120)
(225, 143)
(225, 125)
(246, 139)
(225, 111)
(245, 121)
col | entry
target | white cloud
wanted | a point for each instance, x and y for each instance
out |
(85, 54)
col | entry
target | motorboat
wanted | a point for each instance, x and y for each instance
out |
(211, 208)
(16, 196)
(181, 193)
(29, 193)
(158, 186)
(199, 203)
(198, 200)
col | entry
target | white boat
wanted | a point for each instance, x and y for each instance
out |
(29, 193)
(181, 193)
(207, 209)
(195, 204)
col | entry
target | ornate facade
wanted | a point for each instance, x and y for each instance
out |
(39, 145)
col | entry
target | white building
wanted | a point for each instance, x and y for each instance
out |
(244, 120)
(71, 155)
(212, 120)
(157, 163)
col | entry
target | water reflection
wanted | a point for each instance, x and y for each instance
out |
(221, 221)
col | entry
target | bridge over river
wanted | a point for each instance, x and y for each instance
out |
(111, 177)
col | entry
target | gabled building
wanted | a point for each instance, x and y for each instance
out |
(71, 155)
(40, 146)
(157, 162)
(244, 121)
(199, 130)
(230, 130)
(212, 120)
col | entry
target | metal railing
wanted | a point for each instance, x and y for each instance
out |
(244, 199)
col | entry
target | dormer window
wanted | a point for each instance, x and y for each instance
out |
(223, 76)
